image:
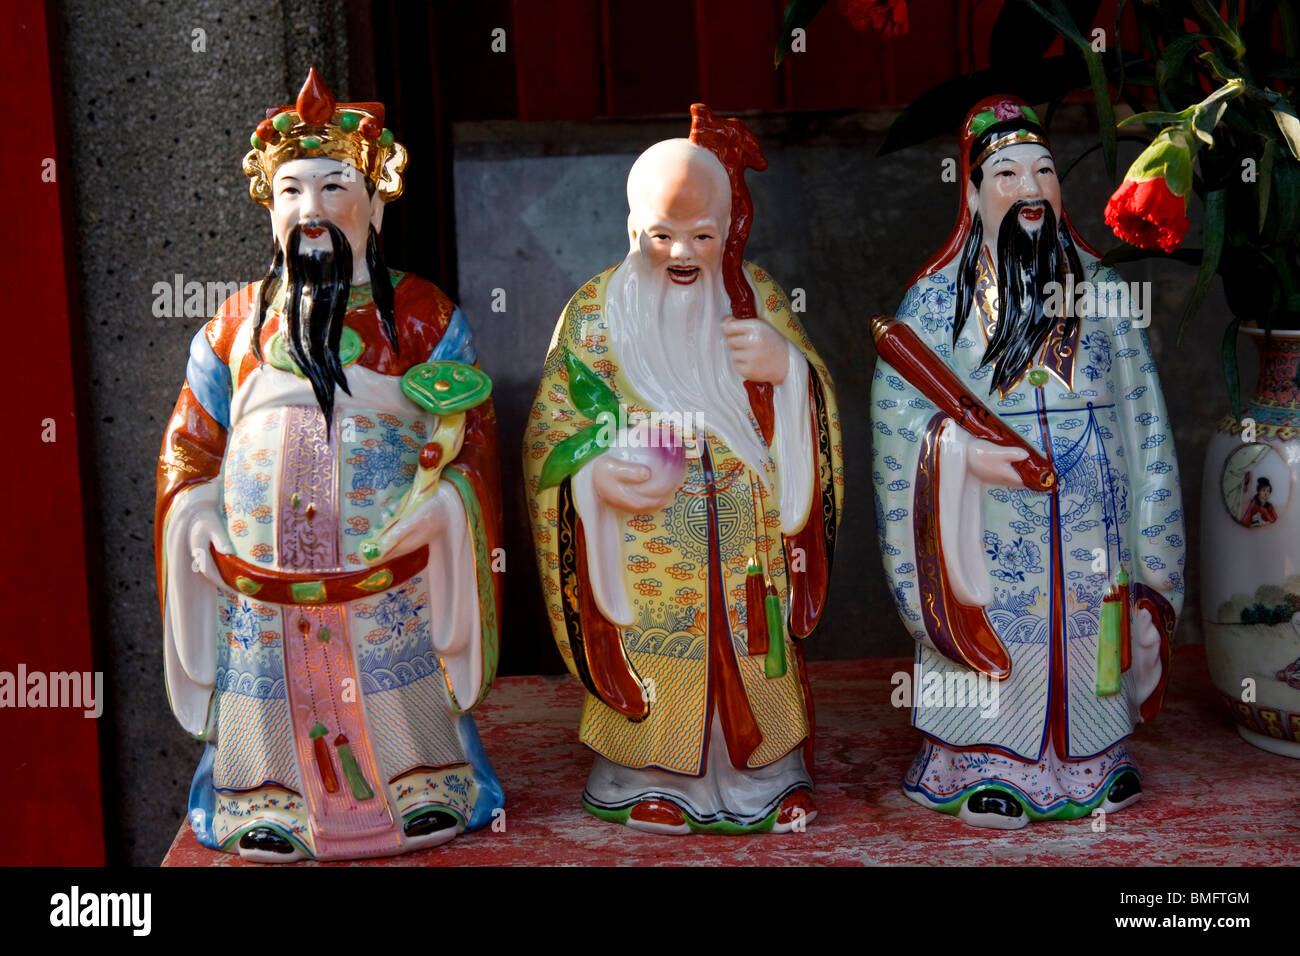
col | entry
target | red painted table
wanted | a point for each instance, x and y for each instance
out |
(1210, 798)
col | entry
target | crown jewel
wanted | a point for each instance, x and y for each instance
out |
(317, 127)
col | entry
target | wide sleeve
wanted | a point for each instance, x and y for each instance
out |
(192, 450)
(808, 450)
(468, 643)
(1156, 536)
(552, 426)
(903, 431)
(1156, 531)
(577, 540)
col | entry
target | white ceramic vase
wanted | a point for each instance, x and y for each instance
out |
(1250, 553)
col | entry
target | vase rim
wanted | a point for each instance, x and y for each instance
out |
(1254, 332)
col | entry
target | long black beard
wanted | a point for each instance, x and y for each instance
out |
(1027, 261)
(313, 339)
(327, 276)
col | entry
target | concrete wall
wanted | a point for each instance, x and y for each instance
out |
(158, 129)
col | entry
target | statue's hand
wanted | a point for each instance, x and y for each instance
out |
(424, 525)
(638, 480)
(207, 529)
(757, 350)
(1146, 655)
(991, 463)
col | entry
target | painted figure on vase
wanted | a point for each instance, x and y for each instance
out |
(1027, 499)
(1260, 510)
(684, 479)
(328, 503)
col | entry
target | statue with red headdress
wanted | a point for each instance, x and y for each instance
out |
(684, 481)
(328, 506)
(1027, 499)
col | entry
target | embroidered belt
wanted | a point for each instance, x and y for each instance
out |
(306, 587)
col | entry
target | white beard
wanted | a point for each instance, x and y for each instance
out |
(669, 343)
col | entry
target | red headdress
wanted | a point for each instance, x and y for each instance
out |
(988, 112)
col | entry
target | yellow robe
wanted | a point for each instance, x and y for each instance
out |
(665, 554)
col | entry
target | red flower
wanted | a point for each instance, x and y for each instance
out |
(1147, 213)
(887, 16)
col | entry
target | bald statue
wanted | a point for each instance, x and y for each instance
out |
(683, 475)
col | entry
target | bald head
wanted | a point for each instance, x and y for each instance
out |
(679, 202)
(679, 180)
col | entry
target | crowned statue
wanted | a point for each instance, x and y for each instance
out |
(684, 480)
(1027, 499)
(328, 504)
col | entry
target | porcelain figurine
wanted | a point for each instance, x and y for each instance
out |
(684, 479)
(1027, 499)
(328, 504)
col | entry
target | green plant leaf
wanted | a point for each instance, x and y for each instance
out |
(1219, 71)
(798, 14)
(1204, 121)
(1289, 124)
(1215, 217)
(589, 394)
(571, 454)
(1284, 213)
(1153, 118)
(1265, 180)
(1105, 109)
(1207, 113)
(1171, 59)
(1059, 16)
(1231, 374)
(1207, 11)
(1119, 50)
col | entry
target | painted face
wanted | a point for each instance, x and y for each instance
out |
(1017, 173)
(677, 226)
(314, 189)
(1265, 492)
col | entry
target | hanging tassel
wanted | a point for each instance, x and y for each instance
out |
(755, 609)
(324, 765)
(1108, 646)
(1125, 624)
(774, 665)
(351, 771)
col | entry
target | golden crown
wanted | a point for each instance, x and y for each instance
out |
(317, 127)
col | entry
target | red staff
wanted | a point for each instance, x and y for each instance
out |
(737, 149)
